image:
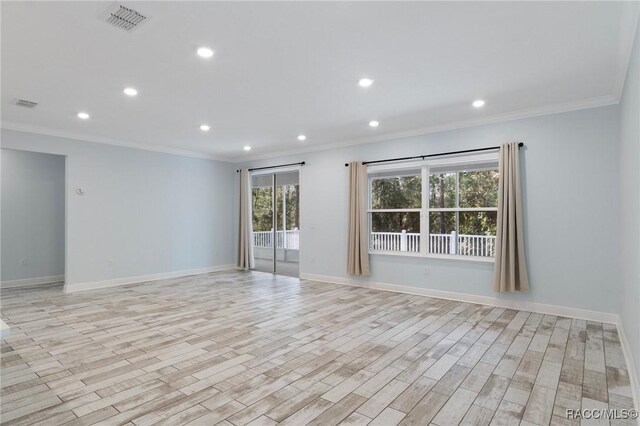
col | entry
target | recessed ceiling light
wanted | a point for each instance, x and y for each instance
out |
(301, 137)
(374, 123)
(365, 82)
(205, 52)
(247, 148)
(204, 128)
(130, 91)
(83, 115)
(478, 103)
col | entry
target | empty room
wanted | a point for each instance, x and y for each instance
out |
(327, 213)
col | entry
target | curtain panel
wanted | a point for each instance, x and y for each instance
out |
(245, 230)
(357, 238)
(510, 273)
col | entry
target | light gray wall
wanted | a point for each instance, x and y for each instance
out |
(143, 212)
(32, 211)
(571, 197)
(630, 204)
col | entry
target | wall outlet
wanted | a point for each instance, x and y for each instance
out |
(24, 263)
(426, 270)
(110, 263)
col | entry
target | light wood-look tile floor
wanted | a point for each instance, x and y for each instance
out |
(249, 348)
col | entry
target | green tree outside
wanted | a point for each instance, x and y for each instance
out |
(478, 188)
(263, 209)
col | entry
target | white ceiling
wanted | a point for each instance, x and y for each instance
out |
(282, 69)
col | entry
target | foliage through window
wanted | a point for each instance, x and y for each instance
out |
(262, 207)
(456, 216)
(462, 212)
(396, 200)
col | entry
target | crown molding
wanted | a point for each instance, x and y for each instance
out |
(627, 35)
(108, 141)
(596, 102)
(493, 119)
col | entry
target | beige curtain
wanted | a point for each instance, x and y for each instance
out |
(357, 251)
(245, 231)
(510, 273)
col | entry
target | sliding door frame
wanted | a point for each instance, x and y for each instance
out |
(274, 207)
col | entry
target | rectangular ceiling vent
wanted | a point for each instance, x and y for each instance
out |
(24, 103)
(124, 18)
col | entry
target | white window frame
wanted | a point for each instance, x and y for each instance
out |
(371, 210)
(425, 166)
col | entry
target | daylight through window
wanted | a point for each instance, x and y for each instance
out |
(441, 208)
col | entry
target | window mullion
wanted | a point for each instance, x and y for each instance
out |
(464, 209)
(394, 210)
(455, 244)
(424, 215)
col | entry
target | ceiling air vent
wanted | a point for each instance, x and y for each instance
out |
(124, 18)
(24, 103)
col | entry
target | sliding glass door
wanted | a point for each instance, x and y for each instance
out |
(276, 222)
(262, 209)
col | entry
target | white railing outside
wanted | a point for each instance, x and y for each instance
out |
(289, 239)
(466, 245)
(477, 245)
(262, 239)
(395, 241)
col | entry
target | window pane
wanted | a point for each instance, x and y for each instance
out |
(478, 188)
(477, 234)
(441, 225)
(387, 231)
(292, 204)
(262, 209)
(397, 192)
(475, 237)
(478, 223)
(442, 190)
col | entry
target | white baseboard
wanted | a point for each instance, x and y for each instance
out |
(631, 367)
(28, 282)
(93, 285)
(472, 298)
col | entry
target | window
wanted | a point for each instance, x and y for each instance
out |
(463, 206)
(437, 208)
(395, 204)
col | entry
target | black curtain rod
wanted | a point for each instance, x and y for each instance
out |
(422, 157)
(302, 163)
